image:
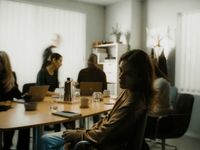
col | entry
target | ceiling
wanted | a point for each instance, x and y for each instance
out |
(99, 2)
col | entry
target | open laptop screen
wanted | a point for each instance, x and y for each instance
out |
(87, 88)
(38, 92)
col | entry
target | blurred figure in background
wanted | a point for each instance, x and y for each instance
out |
(50, 49)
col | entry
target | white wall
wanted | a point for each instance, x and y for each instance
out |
(127, 14)
(119, 13)
(164, 12)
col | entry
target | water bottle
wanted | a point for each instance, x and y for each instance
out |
(67, 95)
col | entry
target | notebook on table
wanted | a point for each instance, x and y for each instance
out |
(67, 114)
(87, 88)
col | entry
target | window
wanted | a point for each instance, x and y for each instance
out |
(26, 30)
(188, 53)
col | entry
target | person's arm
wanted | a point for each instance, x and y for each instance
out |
(118, 126)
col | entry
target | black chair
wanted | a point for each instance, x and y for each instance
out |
(172, 125)
(26, 87)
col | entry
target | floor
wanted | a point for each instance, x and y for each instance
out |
(183, 143)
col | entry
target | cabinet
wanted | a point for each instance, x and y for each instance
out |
(108, 56)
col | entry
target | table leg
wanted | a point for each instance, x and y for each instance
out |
(1, 140)
(84, 123)
(37, 133)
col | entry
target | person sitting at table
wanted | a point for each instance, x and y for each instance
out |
(8, 91)
(161, 102)
(92, 74)
(115, 131)
(48, 76)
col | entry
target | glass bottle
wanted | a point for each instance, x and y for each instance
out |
(68, 95)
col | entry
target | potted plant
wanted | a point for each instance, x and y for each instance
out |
(117, 33)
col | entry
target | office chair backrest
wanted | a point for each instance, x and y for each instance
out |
(173, 95)
(184, 107)
(137, 142)
(184, 104)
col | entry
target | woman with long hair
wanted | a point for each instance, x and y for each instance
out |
(8, 91)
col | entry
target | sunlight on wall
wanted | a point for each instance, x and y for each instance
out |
(26, 30)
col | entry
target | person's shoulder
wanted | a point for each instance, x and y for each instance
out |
(14, 74)
(161, 82)
(100, 70)
(42, 70)
(83, 70)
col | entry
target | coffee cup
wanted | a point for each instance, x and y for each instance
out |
(106, 93)
(84, 102)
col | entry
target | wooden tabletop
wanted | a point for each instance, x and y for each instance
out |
(17, 117)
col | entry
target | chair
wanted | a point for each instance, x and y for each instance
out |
(138, 137)
(26, 87)
(173, 92)
(172, 125)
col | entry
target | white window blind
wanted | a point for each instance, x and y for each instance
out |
(188, 53)
(26, 30)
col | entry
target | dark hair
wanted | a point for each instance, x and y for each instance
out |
(92, 60)
(56, 56)
(159, 73)
(142, 64)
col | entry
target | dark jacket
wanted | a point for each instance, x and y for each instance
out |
(92, 75)
(44, 78)
(13, 93)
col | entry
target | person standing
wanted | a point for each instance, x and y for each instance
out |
(8, 91)
(50, 50)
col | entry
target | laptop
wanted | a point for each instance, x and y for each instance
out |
(87, 88)
(38, 92)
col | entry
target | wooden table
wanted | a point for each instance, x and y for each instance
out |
(17, 117)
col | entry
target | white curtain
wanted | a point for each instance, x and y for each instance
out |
(188, 53)
(26, 30)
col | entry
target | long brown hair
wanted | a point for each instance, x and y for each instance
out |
(8, 80)
(141, 62)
